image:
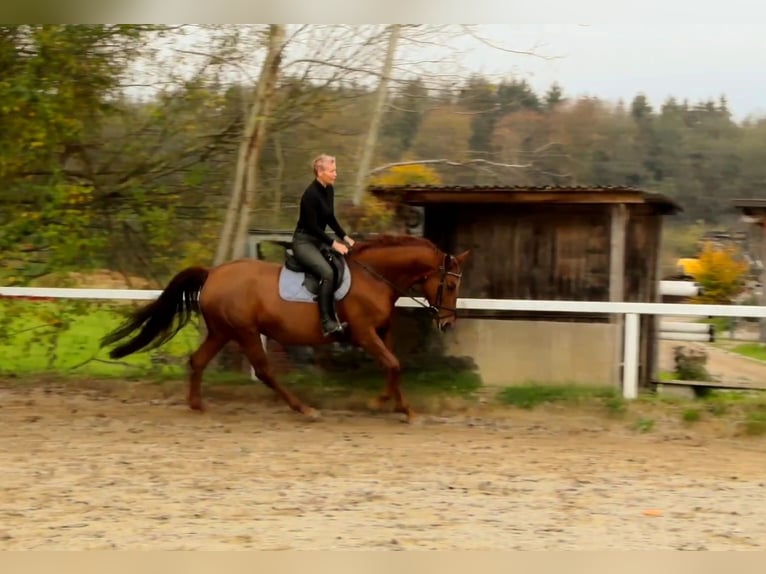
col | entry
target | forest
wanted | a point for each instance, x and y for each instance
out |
(124, 146)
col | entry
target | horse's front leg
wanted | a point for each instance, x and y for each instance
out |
(380, 348)
(392, 380)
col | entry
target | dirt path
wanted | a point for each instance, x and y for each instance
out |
(85, 470)
(721, 364)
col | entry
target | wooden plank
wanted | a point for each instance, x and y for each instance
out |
(422, 197)
(728, 384)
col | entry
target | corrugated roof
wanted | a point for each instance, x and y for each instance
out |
(509, 187)
(478, 190)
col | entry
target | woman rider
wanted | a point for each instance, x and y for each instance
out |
(317, 210)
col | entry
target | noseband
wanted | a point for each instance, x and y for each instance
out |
(445, 272)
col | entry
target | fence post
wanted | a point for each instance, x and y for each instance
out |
(630, 356)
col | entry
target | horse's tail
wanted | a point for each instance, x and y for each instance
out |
(176, 304)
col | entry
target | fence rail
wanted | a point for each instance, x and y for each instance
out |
(631, 311)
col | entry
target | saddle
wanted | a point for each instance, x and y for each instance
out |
(311, 281)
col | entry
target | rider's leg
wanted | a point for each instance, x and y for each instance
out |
(309, 256)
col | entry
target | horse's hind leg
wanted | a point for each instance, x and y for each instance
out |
(198, 361)
(253, 350)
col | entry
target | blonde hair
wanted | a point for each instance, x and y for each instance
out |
(321, 160)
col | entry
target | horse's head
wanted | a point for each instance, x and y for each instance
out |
(403, 261)
(441, 289)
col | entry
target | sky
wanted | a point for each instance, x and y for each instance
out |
(613, 61)
(689, 49)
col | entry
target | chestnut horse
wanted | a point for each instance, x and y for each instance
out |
(240, 301)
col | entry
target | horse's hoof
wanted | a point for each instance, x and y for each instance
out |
(375, 404)
(197, 405)
(311, 414)
(409, 417)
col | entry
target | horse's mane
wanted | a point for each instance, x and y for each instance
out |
(389, 240)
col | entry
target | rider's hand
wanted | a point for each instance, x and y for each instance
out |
(339, 247)
(349, 241)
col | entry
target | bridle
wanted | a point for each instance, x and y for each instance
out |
(437, 307)
(445, 272)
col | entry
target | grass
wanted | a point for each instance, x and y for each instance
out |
(370, 381)
(747, 410)
(63, 337)
(643, 425)
(667, 376)
(534, 394)
(751, 350)
(691, 415)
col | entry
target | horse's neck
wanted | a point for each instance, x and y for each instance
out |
(401, 264)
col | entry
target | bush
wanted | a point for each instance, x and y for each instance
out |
(721, 274)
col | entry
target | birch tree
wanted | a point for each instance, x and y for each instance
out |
(232, 240)
(377, 113)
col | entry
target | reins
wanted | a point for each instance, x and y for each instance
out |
(433, 308)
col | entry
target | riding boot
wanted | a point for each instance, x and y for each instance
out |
(325, 297)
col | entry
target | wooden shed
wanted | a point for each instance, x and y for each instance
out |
(565, 243)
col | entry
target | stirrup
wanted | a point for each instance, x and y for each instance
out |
(333, 328)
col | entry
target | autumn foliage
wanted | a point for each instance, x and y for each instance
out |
(720, 273)
(374, 215)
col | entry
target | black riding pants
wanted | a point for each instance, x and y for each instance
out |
(306, 251)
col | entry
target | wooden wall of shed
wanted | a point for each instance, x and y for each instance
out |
(527, 251)
(558, 252)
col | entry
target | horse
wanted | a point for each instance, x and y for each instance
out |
(242, 300)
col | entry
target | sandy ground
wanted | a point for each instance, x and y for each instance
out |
(87, 469)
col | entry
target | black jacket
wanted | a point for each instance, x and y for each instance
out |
(317, 211)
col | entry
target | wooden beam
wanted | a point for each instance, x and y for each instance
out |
(762, 298)
(618, 232)
(727, 384)
(423, 197)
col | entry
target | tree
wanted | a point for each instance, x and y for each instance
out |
(721, 274)
(377, 112)
(245, 180)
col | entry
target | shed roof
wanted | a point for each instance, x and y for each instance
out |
(427, 194)
(752, 207)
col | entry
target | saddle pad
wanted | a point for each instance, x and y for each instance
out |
(291, 285)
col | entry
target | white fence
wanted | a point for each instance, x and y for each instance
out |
(631, 311)
(680, 331)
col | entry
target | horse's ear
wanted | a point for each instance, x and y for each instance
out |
(463, 256)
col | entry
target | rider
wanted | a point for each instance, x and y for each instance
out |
(317, 210)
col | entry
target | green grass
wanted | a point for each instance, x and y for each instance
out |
(667, 376)
(532, 395)
(752, 350)
(370, 382)
(691, 415)
(63, 337)
(643, 425)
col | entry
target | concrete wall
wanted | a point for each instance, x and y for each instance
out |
(514, 351)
